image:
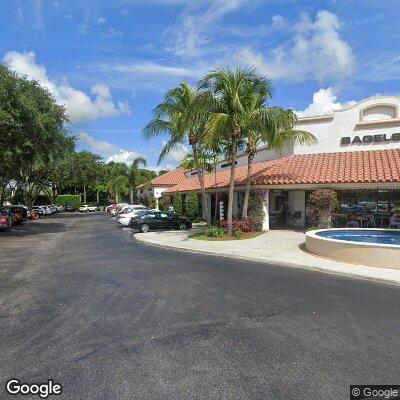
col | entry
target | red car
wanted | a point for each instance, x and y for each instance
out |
(5, 220)
(21, 213)
(33, 215)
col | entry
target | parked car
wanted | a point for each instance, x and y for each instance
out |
(154, 220)
(5, 220)
(33, 215)
(125, 216)
(53, 208)
(38, 210)
(87, 208)
(68, 207)
(11, 215)
(110, 208)
(21, 213)
(119, 207)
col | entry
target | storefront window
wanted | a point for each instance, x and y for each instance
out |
(381, 203)
(388, 201)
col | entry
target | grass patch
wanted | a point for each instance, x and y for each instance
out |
(245, 235)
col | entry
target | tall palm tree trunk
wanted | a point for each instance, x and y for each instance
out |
(216, 190)
(250, 159)
(200, 176)
(231, 184)
(97, 198)
(131, 195)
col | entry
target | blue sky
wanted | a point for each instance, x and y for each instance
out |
(109, 62)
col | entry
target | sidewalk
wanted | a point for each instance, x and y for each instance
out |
(280, 247)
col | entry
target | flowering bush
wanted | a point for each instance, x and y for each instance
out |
(256, 208)
(323, 202)
(238, 225)
(238, 234)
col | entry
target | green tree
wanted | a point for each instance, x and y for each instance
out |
(118, 185)
(134, 175)
(87, 168)
(177, 204)
(204, 159)
(183, 115)
(192, 206)
(32, 134)
(232, 101)
(273, 126)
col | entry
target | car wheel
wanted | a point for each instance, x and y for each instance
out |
(144, 228)
(182, 226)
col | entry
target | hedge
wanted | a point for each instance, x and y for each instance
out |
(69, 200)
(178, 204)
(192, 211)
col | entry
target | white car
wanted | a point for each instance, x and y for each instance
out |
(118, 208)
(125, 216)
(86, 208)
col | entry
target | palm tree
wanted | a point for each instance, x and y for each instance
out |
(273, 126)
(204, 159)
(232, 103)
(183, 115)
(134, 175)
(118, 185)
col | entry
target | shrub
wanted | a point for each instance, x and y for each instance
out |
(164, 203)
(69, 200)
(178, 204)
(323, 202)
(152, 202)
(256, 209)
(238, 234)
(238, 225)
(192, 211)
(215, 232)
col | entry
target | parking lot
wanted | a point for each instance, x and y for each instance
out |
(82, 303)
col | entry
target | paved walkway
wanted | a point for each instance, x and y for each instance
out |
(274, 247)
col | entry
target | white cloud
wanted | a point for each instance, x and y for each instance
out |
(176, 154)
(380, 69)
(100, 146)
(110, 151)
(324, 102)
(148, 68)
(101, 20)
(124, 156)
(79, 105)
(278, 22)
(316, 51)
(196, 22)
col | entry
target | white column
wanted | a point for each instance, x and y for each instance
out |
(157, 205)
(266, 210)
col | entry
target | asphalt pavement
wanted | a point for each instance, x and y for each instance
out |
(84, 304)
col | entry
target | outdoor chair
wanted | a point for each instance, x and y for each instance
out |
(352, 223)
(394, 222)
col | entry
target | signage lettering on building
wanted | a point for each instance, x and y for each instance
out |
(366, 139)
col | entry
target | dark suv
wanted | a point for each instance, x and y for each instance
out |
(152, 220)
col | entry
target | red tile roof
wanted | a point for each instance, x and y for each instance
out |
(168, 179)
(373, 166)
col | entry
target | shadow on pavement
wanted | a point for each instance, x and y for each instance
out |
(33, 228)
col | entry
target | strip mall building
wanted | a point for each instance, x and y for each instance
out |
(357, 154)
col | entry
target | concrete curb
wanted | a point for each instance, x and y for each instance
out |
(272, 262)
